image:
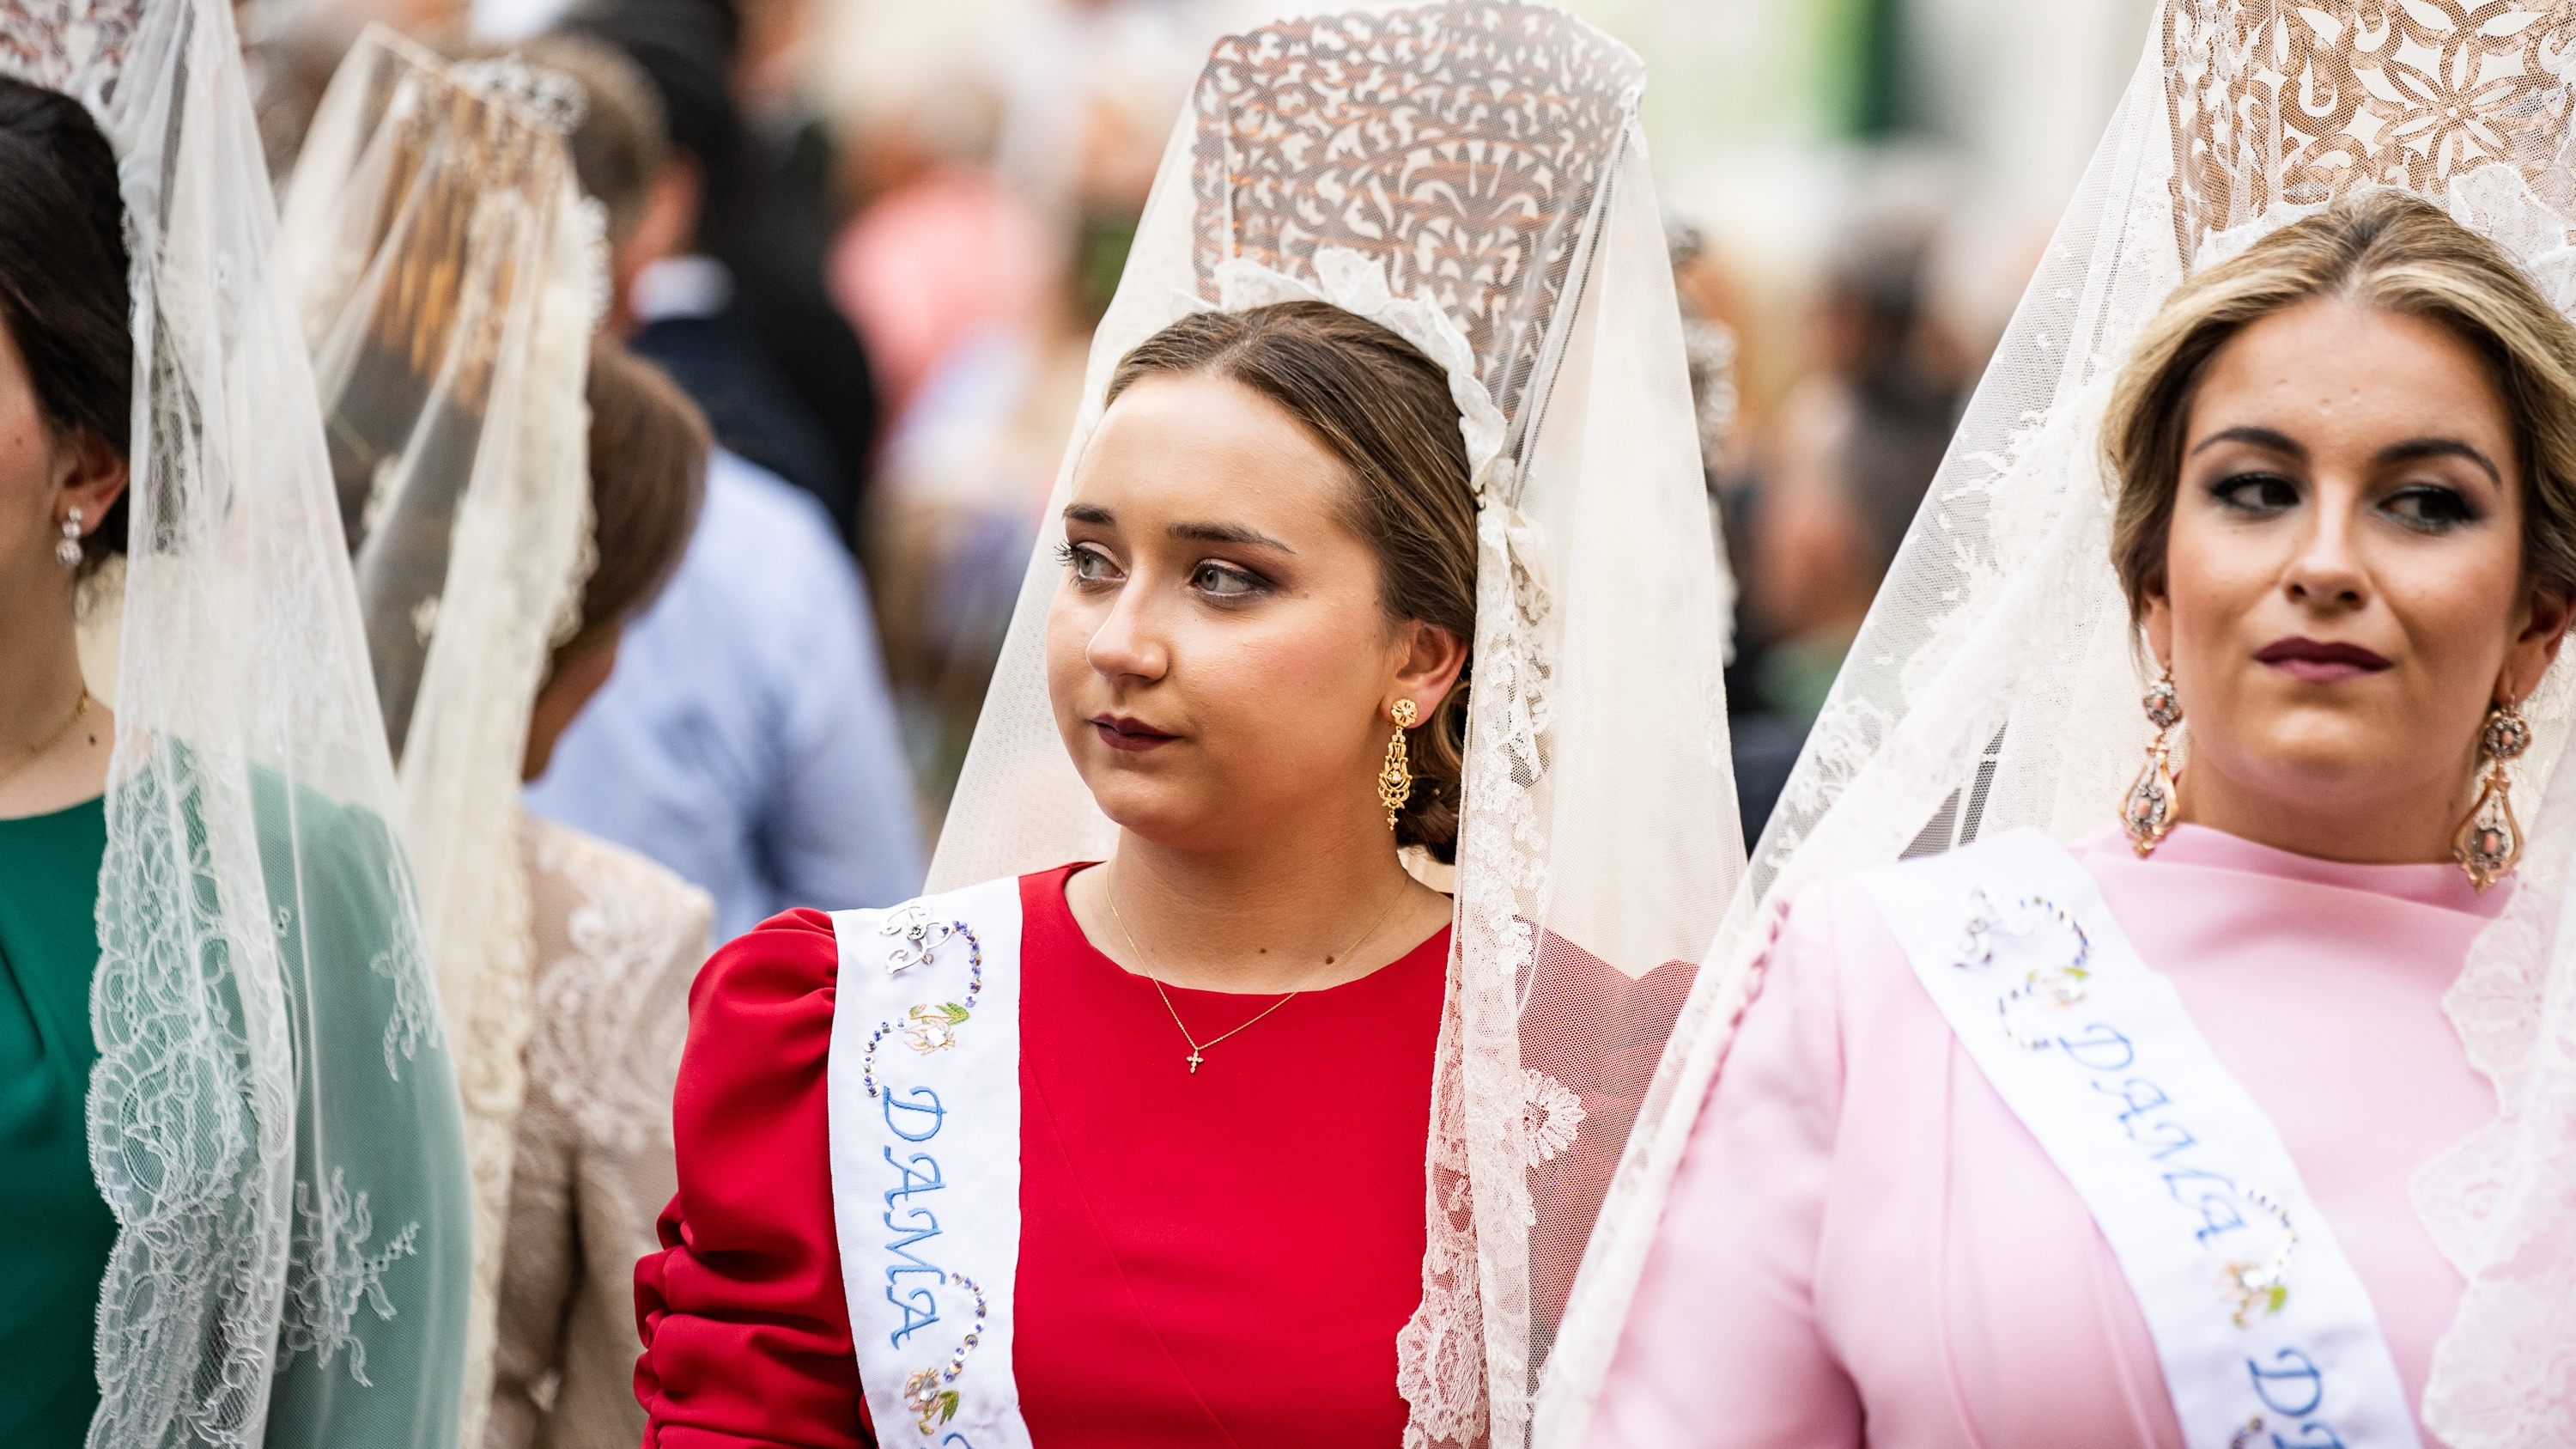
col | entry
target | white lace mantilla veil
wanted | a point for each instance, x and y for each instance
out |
(1993, 685)
(1473, 177)
(449, 278)
(273, 1119)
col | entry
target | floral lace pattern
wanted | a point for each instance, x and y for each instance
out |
(2275, 104)
(618, 941)
(74, 46)
(332, 1272)
(1459, 147)
(185, 1124)
(414, 1021)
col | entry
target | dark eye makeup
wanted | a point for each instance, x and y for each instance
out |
(2431, 506)
(2427, 507)
(2259, 494)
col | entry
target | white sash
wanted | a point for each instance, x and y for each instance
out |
(924, 1092)
(2264, 1331)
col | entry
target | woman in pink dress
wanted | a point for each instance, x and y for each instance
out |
(2162, 1137)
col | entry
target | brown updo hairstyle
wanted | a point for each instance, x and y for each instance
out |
(2388, 251)
(62, 277)
(648, 469)
(1384, 409)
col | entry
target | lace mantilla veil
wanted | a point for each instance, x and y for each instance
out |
(1993, 685)
(1472, 177)
(449, 278)
(273, 1118)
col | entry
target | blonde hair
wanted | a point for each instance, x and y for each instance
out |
(2385, 250)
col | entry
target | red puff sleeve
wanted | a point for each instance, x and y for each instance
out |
(746, 1329)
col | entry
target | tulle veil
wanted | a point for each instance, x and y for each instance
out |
(1472, 176)
(274, 1117)
(1994, 684)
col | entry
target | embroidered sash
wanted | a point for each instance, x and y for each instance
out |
(924, 1091)
(2265, 1333)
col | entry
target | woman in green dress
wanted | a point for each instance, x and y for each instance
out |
(65, 372)
(229, 1127)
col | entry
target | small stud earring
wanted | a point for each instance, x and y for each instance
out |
(2147, 811)
(1395, 777)
(68, 551)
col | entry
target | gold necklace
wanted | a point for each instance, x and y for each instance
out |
(1198, 1048)
(79, 707)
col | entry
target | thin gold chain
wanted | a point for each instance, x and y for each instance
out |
(1198, 1048)
(79, 707)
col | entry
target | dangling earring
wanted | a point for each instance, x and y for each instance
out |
(68, 552)
(2147, 812)
(2489, 842)
(1395, 777)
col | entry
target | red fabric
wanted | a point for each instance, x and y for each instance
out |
(746, 1330)
(1213, 1259)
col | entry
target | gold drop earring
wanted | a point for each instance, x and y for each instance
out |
(1395, 777)
(2147, 812)
(2489, 842)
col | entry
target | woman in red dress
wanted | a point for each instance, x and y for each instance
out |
(1218, 1140)
(1226, 676)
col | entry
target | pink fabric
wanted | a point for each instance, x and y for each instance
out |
(930, 265)
(1864, 1246)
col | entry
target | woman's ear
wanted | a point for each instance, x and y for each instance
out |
(2536, 646)
(2156, 618)
(94, 475)
(1432, 659)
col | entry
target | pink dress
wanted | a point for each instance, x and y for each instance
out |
(1864, 1246)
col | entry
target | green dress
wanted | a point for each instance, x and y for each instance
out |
(61, 1230)
(373, 1344)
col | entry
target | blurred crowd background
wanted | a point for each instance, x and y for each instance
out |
(871, 238)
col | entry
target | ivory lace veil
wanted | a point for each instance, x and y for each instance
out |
(273, 1118)
(1993, 685)
(449, 280)
(1473, 177)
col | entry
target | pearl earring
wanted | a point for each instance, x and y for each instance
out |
(68, 551)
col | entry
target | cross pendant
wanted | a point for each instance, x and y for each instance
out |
(1195, 1059)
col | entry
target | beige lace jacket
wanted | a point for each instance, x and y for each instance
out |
(618, 940)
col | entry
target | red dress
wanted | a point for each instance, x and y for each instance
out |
(1213, 1259)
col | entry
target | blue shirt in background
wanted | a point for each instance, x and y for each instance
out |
(747, 739)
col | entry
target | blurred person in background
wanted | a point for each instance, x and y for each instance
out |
(617, 939)
(682, 303)
(746, 739)
(959, 278)
(1001, 154)
(778, 253)
(1838, 476)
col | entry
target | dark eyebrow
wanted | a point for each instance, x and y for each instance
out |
(2414, 448)
(1226, 533)
(2277, 442)
(1091, 513)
